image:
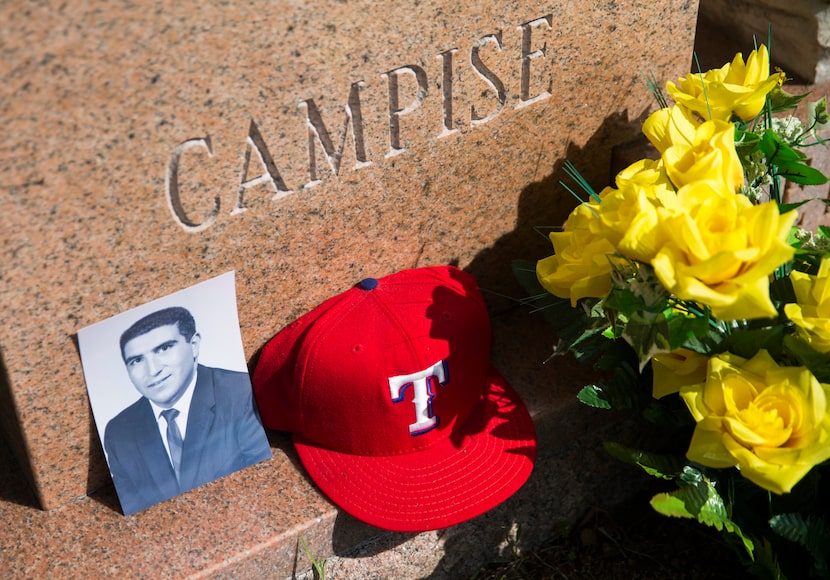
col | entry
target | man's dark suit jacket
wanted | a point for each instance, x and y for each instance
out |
(224, 434)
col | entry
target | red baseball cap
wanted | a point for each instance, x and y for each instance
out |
(395, 410)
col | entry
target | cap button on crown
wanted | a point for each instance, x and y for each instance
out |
(368, 284)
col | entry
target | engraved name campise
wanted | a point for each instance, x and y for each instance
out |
(319, 136)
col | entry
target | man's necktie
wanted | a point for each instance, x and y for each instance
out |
(174, 439)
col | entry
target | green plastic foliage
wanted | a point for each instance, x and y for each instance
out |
(817, 362)
(700, 500)
(593, 396)
(655, 464)
(811, 532)
(697, 498)
(653, 333)
(819, 118)
(789, 163)
(780, 100)
(765, 562)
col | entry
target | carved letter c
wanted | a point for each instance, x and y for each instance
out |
(174, 201)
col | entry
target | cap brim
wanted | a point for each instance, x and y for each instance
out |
(483, 462)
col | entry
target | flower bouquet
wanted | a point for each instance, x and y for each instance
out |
(708, 312)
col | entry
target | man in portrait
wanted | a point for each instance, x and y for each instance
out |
(192, 424)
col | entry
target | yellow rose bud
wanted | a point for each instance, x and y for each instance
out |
(771, 422)
(721, 250)
(710, 155)
(669, 126)
(676, 369)
(649, 173)
(580, 267)
(811, 314)
(754, 76)
(736, 88)
(627, 215)
(630, 221)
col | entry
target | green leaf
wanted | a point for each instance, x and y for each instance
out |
(684, 330)
(817, 362)
(621, 391)
(746, 141)
(647, 335)
(811, 531)
(801, 174)
(702, 502)
(785, 207)
(670, 414)
(618, 356)
(673, 504)
(593, 396)
(587, 346)
(765, 563)
(652, 333)
(625, 301)
(791, 526)
(777, 151)
(656, 465)
(781, 290)
(818, 116)
(746, 342)
(691, 475)
(781, 100)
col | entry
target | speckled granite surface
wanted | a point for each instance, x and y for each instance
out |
(147, 147)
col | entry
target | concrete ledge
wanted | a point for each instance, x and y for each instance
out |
(249, 524)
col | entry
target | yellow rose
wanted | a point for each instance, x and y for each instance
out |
(737, 87)
(668, 126)
(676, 369)
(627, 215)
(580, 267)
(648, 173)
(692, 151)
(721, 250)
(630, 220)
(772, 422)
(811, 314)
(709, 155)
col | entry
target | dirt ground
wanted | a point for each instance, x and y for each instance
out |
(631, 543)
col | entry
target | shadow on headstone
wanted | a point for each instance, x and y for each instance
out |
(14, 487)
(99, 482)
(546, 203)
(18, 481)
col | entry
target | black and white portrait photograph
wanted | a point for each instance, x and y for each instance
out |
(170, 392)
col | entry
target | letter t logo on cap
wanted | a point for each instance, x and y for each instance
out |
(422, 385)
